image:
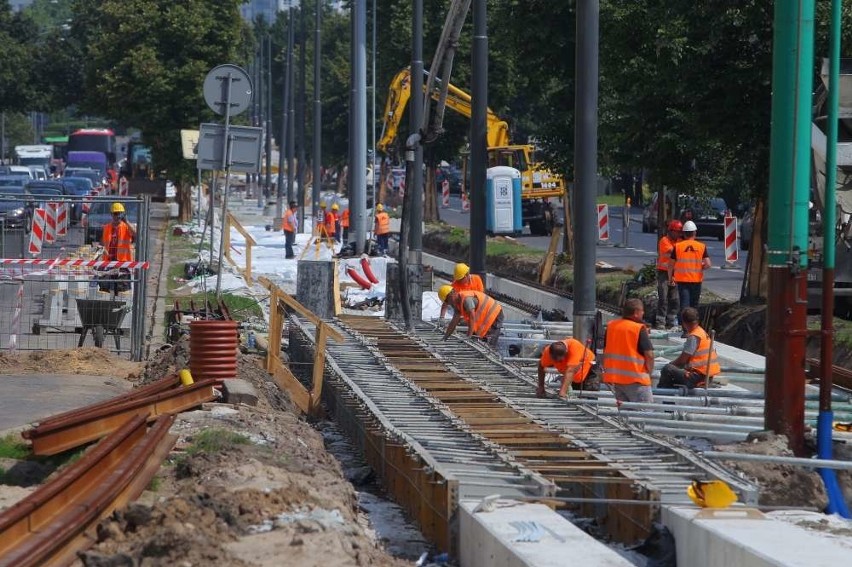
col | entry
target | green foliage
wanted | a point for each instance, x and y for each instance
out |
(216, 440)
(508, 248)
(16, 53)
(13, 447)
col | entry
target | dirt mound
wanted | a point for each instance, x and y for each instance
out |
(87, 360)
(167, 360)
(743, 326)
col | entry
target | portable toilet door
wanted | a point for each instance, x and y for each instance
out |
(503, 201)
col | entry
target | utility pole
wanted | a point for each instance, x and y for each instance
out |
(268, 93)
(358, 140)
(302, 102)
(285, 96)
(291, 122)
(317, 157)
(414, 155)
(585, 167)
(789, 183)
(478, 137)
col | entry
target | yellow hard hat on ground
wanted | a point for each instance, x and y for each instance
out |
(711, 494)
(117, 208)
(461, 271)
(444, 292)
(334, 207)
(379, 208)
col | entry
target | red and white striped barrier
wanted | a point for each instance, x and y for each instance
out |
(445, 193)
(123, 187)
(732, 244)
(50, 223)
(16, 317)
(37, 232)
(603, 222)
(62, 220)
(74, 262)
(402, 188)
(465, 202)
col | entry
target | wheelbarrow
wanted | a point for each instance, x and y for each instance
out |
(102, 317)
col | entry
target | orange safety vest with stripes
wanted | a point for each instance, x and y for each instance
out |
(117, 243)
(664, 253)
(622, 361)
(576, 353)
(487, 311)
(474, 284)
(288, 223)
(344, 220)
(703, 360)
(382, 223)
(330, 223)
(689, 257)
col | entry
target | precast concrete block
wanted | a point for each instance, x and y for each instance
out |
(393, 302)
(315, 284)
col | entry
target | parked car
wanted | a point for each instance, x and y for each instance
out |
(13, 181)
(100, 214)
(707, 214)
(80, 186)
(13, 206)
(95, 177)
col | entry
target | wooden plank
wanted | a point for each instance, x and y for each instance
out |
(290, 384)
(549, 453)
(291, 302)
(319, 364)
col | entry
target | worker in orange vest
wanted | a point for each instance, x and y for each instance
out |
(696, 365)
(382, 229)
(481, 313)
(463, 280)
(686, 270)
(574, 361)
(335, 222)
(118, 236)
(628, 358)
(344, 224)
(290, 226)
(667, 300)
(328, 223)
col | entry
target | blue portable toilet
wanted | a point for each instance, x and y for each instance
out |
(503, 201)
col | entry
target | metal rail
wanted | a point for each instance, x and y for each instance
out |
(50, 526)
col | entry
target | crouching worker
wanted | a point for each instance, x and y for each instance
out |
(481, 313)
(696, 365)
(574, 361)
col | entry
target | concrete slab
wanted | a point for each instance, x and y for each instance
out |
(489, 539)
(27, 398)
(238, 391)
(746, 537)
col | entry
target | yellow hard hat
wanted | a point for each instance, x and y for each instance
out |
(322, 204)
(461, 271)
(711, 494)
(117, 208)
(334, 207)
(379, 208)
(444, 292)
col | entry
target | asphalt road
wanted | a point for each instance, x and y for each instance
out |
(640, 248)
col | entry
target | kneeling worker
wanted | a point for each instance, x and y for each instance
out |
(482, 314)
(463, 280)
(574, 361)
(628, 358)
(696, 365)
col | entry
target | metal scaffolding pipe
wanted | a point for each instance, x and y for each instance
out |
(792, 461)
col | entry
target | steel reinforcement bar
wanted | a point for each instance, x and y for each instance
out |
(426, 458)
(54, 523)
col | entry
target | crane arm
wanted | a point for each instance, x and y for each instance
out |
(458, 100)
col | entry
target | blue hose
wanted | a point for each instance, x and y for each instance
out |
(836, 502)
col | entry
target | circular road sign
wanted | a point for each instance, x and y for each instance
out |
(216, 89)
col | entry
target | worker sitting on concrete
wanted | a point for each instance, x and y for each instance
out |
(574, 361)
(463, 280)
(696, 365)
(382, 230)
(482, 314)
(628, 358)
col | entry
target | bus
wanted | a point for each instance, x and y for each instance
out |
(93, 140)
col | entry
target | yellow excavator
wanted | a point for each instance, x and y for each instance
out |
(538, 184)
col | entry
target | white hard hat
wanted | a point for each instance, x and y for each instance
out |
(689, 226)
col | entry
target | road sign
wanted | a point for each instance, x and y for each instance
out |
(246, 142)
(216, 89)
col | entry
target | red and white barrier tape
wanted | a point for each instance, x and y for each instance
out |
(102, 264)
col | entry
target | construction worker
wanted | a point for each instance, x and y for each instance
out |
(463, 280)
(329, 223)
(290, 226)
(482, 314)
(574, 361)
(320, 220)
(628, 358)
(686, 270)
(344, 224)
(382, 230)
(696, 365)
(335, 216)
(667, 300)
(118, 236)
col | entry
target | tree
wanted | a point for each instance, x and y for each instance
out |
(16, 71)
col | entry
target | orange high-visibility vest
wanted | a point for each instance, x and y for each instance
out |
(344, 221)
(382, 223)
(689, 255)
(703, 360)
(664, 253)
(330, 225)
(576, 353)
(474, 285)
(622, 361)
(288, 223)
(487, 311)
(117, 241)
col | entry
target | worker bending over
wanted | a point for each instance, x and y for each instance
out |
(628, 358)
(482, 314)
(697, 364)
(463, 280)
(574, 361)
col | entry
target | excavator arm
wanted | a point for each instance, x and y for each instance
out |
(457, 100)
